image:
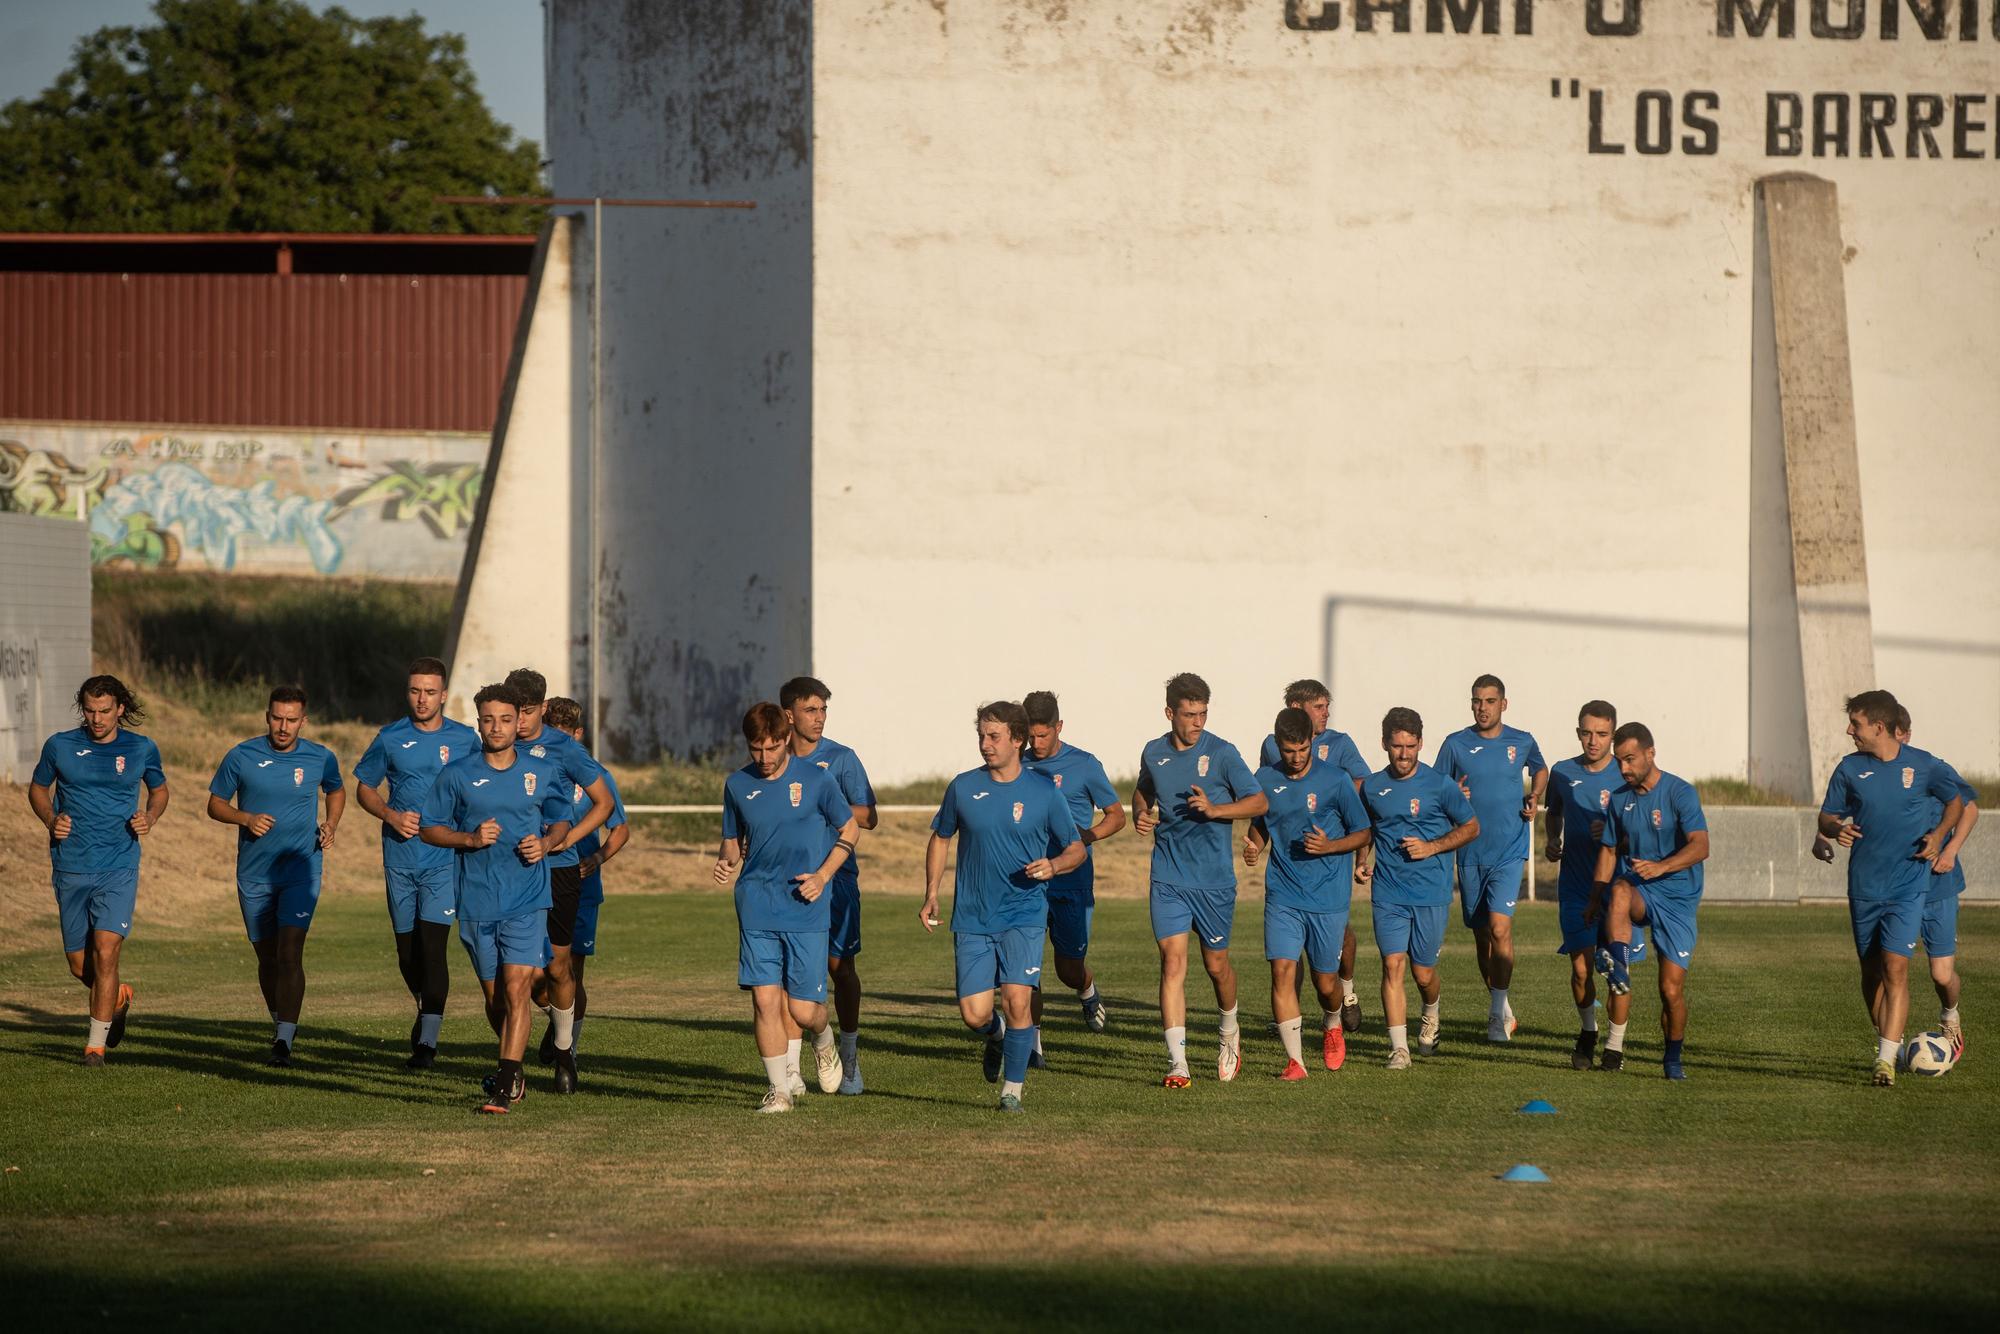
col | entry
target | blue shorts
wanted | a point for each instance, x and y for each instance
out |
(1177, 910)
(1672, 925)
(88, 901)
(843, 937)
(1413, 929)
(266, 908)
(1488, 889)
(1288, 931)
(986, 961)
(1941, 926)
(584, 939)
(1580, 937)
(1069, 927)
(521, 941)
(429, 895)
(794, 960)
(1892, 925)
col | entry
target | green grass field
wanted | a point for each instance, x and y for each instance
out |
(189, 1186)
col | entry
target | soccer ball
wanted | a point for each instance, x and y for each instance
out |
(1928, 1054)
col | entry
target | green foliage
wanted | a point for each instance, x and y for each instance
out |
(261, 115)
(1736, 792)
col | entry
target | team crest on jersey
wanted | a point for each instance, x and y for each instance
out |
(298, 778)
(444, 754)
(1201, 767)
(1416, 804)
(1057, 778)
(540, 752)
(821, 763)
(1510, 754)
(1604, 799)
(528, 783)
(576, 794)
(1312, 801)
(1656, 817)
(118, 763)
(795, 791)
(1323, 749)
(1018, 808)
(1909, 777)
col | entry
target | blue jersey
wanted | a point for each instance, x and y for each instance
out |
(556, 744)
(587, 846)
(1652, 826)
(1087, 788)
(1951, 883)
(843, 766)
(1190, 851)
(1491, 767)
(1322, 798)
(1583, 798)
(285, 785)
(97, 786)
(789, 824)
(410, 759)
(1425, 805)
(527, 796)
(1001, 827)
(1329, 747)
(1896, 802)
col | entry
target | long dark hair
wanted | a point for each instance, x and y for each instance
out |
(135, 713)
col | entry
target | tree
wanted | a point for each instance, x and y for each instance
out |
(261, 115)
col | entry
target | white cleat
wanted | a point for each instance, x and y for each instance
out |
(1500, 1028)
(850, 1079)
(1399, 1059)
(796, 1088)
(828, 1061)
(1427, 1035)
(1229, 1057)
(775, 1100)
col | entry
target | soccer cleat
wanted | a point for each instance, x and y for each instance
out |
(1885, 1074)
(93, 1057)
(775, 1100)
(497, 1102)
(1095, 1015)
(1429, 1032)
(827, 1062)
(281, 1054)
(795, 1087)
(1954, 1036)
(1333, 1048)
(1037, 1061)
(546, 1053)
(1399, 1059)
(1009, 1103)
(1293, 1072)
(117, 1033)
(1614, 1060)
(990, 1062)
(1586, 1047)
(1350, 1014)
(1177, 1078)
(1229, 1057)
(423, 1058)
(1499, 1029)
(565, 1064)
(1672, 1070)
(850, 1079)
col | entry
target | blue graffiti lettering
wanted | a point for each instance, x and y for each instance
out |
(213, 518)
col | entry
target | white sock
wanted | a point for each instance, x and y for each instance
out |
(1497, 1003)
(1177, 1047)
(427, 1036)
(1229, 1025)
(823, 1039)
(774, 1070)
(1399, 1037)
(1346, 991)
(1331, 1021)
(1288, 1033)
(1587, 1015)
(1009, 1086)
(1431, 1008)
(575, 1034)
(287, 1032)
(792, 1058)
(100, 1033)
(1089, 992)
(1038, 1041)
(1886, 1048)
(564, 1022)
(848, 1043)
(1948, 1015)
(1616, 1042)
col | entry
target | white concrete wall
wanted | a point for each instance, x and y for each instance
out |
(44, 633)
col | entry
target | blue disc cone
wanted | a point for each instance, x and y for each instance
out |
(1539, 1107)
(1524, 1172)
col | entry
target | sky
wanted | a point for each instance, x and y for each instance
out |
(503, 40)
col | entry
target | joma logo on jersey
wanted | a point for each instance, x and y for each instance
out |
(1201, 767)
(118, 764)
(528, 783)
(796, 791)
(1909, 777)
(1018, 808)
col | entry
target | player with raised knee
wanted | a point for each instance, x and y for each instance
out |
(1488, 760)
(1015, 836)
(1649, 873)
(1098, 814)
(1329, 746)
(789, 826)
(1313, 826)
(407, 755)
(804, 700)
(86, 792)
(276, 782)
(499, 810)
(1892, 806)
(1579, 804)
(1418, 816)
(592, 851)
(1193, 890)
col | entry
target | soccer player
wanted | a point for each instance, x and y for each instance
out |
(1193, 875)
(1487, 759)
(1879, 806)
(1314, 825)
(1579, 803)
(790, 827)
(566, 716)
(1098, 814)
(85, 791)
(407, 755)
(1338, 749)
(1649, 858)
(276, 782)
(804, 700)
(1015, 837)
(1418, 816)
(565, 880)
(500, 811)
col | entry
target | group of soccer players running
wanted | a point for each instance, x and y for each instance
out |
(503, 829)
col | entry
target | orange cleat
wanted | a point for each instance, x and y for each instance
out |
(1333, 1048)
(1293, 1072)
(1176, 1079)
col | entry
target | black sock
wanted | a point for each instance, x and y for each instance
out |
(436, 972)
(410, 962)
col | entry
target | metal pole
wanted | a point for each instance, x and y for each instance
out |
(596, 451)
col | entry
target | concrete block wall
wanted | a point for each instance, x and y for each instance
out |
(44, 634)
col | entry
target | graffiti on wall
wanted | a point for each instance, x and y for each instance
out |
(396, 506)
